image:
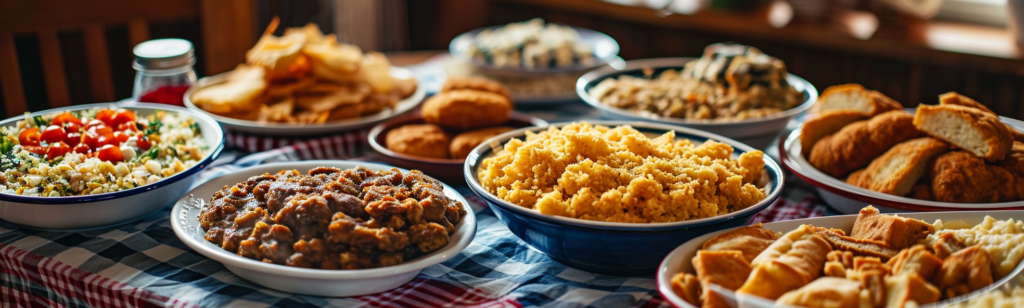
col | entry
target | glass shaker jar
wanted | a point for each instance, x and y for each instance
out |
(164, 71)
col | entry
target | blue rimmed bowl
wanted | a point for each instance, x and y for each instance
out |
(91, 211)
(757, 132)
(612, 247)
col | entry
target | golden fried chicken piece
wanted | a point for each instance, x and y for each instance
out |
(751, 240)
(971, 129)
(726, 268)
(825, 124)
(790, 262)
(915, 260)
(857, 144)
(953, 98)
(898, 232)
(1014, 161)
(970, 267)
(824, 292)
(902, 289)
(896, 171)
(687, 286)
(854, 97)
(965, 178)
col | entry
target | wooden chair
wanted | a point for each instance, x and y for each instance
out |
(228, 30)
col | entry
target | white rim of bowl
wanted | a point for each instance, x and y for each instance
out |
(599, 74)
(795, 162)
(467, 230)
(459, 43)
(475, 157)
(212, 155)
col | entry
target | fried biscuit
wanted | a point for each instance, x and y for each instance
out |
(962, 177)
(750, 240)
(896, 171)
(825, 124)
(476, 83)
(898, 232)
(726, 268)
(967, 128)
(824, 292)
(854, 97)
(857, 144)
(467, 109)
(465, 142)
(423, 140)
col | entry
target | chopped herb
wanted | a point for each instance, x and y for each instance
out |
(154, 127)
(195, 127)
(39, 121)
(6, 144)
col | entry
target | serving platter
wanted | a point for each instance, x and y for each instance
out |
(757, 132)
(679, 259)
(185, 222)
(99, 210)
(849, 199)
(605, 49)
(306, 130)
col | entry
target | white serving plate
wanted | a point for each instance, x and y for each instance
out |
(606, 49)
(679, 259)
(92, 211)
(298, 130)
(849, 199)
(185, 222)
(756, 132)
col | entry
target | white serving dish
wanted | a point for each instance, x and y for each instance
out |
(185, 222)
(849, 199)
(306, 130)
(606, 49)
(757, 132)
(91, 211)
(679, 259)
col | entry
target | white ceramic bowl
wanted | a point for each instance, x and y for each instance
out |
(849, 199)
(185, 222)
(90, 211)
(298, 130)
(679, 259)
(606, 49)
(758, 132)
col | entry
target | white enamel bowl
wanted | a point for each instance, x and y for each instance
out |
(91, 211)
(849, 199)
(185, 222)
(306, 130)
(679, 259)
(757, 132)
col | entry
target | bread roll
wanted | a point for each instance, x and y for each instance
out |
(856, 98)
(896, 171)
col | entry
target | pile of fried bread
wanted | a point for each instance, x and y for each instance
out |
(885, 261)
(956, 151)
(305, 77)
(470, 109)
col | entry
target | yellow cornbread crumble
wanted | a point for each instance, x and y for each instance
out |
(621, 175)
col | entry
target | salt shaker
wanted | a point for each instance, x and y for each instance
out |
(163, 71)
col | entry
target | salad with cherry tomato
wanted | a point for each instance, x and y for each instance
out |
(96, 151)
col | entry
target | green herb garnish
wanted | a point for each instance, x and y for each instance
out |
(39, 121)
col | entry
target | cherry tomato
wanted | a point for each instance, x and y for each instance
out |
(53, 133)
(29, 137)
(57, 150)
(110, 153)
(143, 142)
(72, 127)
(64, 118)
(107, 139)
(122, 116)
(73, 139)
(121, 137)
(100, 130)
(81, 148)
(38, 150)
(105, 115)
(128, 126)
(92, 139)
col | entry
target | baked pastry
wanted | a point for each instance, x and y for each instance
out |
(467, 109)
(790, 262)
(896, 171)
(857, 246)
(902, 289)
(465, 142)
(967, 128)
(750, 240)
(857, 144)
(916, 260)
(825, 124)
(423, 140)
(953, 98)
(687, 286)
(824, 292)
(726, 268)
(856, 98)
(962, 177)
(476, 83)
(898, 232)
(964, 271)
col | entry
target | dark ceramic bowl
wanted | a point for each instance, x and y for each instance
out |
(446, 170)
(611, 247)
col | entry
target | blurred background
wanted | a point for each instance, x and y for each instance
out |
(60, 52)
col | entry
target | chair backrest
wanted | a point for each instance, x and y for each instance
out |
(224, 24)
